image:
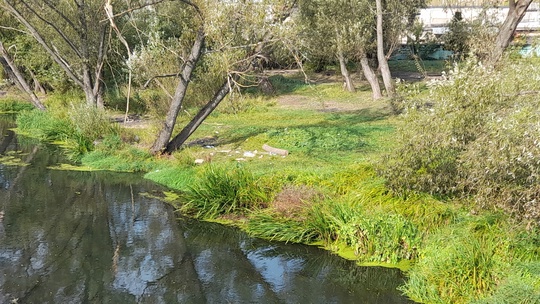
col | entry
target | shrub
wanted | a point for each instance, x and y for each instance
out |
(476, 134)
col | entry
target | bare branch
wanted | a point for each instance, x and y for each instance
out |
(159, 76)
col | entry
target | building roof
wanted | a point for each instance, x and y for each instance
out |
(466, 3)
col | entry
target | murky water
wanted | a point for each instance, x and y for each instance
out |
(79, 237)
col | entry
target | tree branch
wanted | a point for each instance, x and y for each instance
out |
(56, 29)
(56, 57)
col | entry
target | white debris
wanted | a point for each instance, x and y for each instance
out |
(199, 161)
(249, 154)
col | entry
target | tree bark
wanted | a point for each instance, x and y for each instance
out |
(381, 57)
(179, 139)
(178, 98)
(20, 79)
(10, 73)
(516, 12)
(371, 77)
(344, 72)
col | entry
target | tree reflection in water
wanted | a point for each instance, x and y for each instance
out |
(79, 237)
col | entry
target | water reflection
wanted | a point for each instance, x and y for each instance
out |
(76, 237)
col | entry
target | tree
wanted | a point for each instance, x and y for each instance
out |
(342, 30)
(457, 38)
(250, 32)
(516, 11)
(18, 77)
(381, 55)
(72, 34)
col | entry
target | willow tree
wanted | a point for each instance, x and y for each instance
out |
(393, 17)
(516, 11)
(340, 30)
(17, 77)
(9, 34)
(73, 35)
(229, 40)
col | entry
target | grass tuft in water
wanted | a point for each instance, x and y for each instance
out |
(224, 190)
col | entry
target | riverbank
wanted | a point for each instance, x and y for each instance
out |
(325, 191)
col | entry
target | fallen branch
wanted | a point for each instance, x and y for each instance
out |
(267, 148)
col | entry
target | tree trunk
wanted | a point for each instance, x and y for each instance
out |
(9, 73)
(371, 77)
(516, 12)
(383, 63)
(37, 85)
(88, 88)
(179, 139)
(176, 103)
(344, 72)
(20, 79)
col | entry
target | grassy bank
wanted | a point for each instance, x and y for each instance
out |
(325, 192)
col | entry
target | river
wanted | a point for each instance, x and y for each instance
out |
(101, 237)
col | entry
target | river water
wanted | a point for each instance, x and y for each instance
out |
(100, 237)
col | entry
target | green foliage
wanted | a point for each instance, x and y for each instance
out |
(43, 125)
(521, 286)
(11, 105)
(225, 190)
(129, 159)
(374, 236)
(178, 178)
(478, 260)
(278, 228)
(284, 85)
(78, 129)
(475, 134)
(312, 139)
(457, 38)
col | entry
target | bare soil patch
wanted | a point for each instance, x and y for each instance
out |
(292, 200)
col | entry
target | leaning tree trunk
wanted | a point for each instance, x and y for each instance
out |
(178, 98)
(20, 79)
(381, 56)
(516, 12)
(179, 139)
(344, 72)
(10, 73)
(371, 77)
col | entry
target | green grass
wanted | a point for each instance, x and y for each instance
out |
(14, 105)
(429, 66)
(457, 253)
(225, 190)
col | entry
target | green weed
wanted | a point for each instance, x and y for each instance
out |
(14, 105)
(278, 228)
(225, 190)
(458, 264)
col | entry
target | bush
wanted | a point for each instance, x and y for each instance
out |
(476, 134)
